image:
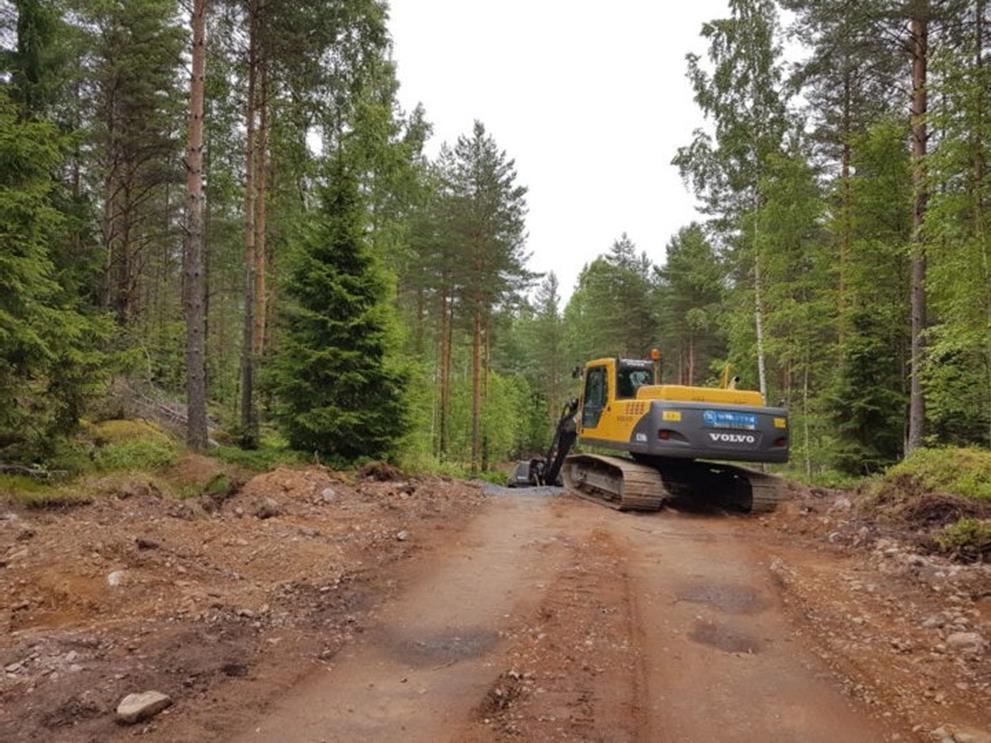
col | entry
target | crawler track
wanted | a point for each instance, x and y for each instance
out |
(644, 485)
(615, 482)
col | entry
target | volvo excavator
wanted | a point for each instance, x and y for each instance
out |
(674, 440)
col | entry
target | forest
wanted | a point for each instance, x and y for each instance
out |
(220, 206)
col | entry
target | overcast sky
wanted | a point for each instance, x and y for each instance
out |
(589, 98)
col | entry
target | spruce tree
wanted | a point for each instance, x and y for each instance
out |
(337, 392)
(49, 357)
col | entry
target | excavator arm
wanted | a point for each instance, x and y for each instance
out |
(546, 470)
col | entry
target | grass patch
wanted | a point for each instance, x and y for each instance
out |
(136, 454)
(52, 500)
(963, 472)
(262, 459)
(831, 479)
(31, 493)
(117, 431)
(968, 537)
(428, 465)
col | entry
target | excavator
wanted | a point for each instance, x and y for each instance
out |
(674, 440)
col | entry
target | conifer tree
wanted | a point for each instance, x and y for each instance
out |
(690, 291)
(49, 360)
(545, 344)
(337, 393)
(487, 211)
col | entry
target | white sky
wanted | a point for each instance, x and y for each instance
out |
(589, 98)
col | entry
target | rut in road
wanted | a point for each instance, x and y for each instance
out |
(555, 619)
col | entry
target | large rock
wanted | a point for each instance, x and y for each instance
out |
(268, 508)
(116, 578)
(960, 734)
(137, 707)
(966, 642)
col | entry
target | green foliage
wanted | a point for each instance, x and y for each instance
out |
(34, 64)
(612, 311)
(742, 97)
(958, 231)
(691, 289)
(866, 415)
(261, 459)
(135, 454)
(335, 392)
(513, 419)
(49, 362)
(823, 477)
(958, 471)
(969, 536)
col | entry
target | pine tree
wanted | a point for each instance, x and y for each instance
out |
(336, 393)
(487, 210)
(847, 80)
(34, 64)
(137, 114)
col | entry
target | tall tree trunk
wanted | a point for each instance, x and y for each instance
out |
(979, 177)
(261, 167)
(486, 366)
(805, 413)
(846, 227)
(418, 327)
(446, 317)
(691, 360)
(193, 273)
(920, 54)
(476, 385)
(248, 420)
(759, 313)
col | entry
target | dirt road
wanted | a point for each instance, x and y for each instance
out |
(553, 619)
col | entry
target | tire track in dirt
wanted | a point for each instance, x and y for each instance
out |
(429, 659)
(554, 619)
(721, 656)
(574, 671)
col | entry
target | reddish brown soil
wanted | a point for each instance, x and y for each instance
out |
(518, 617)
(214, 606)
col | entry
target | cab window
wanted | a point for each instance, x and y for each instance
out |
(594, 399)
(630, 379)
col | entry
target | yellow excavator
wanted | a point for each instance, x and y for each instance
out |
(677, 440)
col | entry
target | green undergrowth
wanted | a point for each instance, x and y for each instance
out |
(32, 493)
(969, 538)
(964, 472)
(265, 457)
(831, 479)
(429, 465)
(943, 496)
(114, 456)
